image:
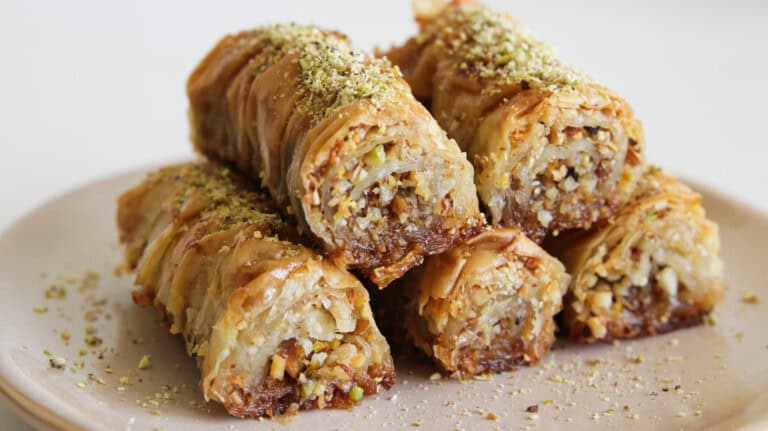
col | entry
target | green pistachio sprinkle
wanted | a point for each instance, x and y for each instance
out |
(356, 394)
(334, 74)
(492, 46)
(229, 199)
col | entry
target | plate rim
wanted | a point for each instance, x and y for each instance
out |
(32, 413)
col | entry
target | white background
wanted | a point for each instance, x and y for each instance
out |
(88, 89)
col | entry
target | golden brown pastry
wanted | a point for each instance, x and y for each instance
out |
(652, 269)
(486, 306)
(552, 149)
(274, 327)
(338, 139)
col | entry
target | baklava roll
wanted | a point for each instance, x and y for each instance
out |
(274, 327)
(652, 269)
(338, 139)
(486, 306)
(552, 149)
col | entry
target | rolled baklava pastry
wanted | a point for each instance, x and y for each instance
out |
(486, 306)
(652, 269)
(552, 149)
(274, 327)
(338, 139)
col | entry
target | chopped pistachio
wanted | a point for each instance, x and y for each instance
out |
(55, 291)
(712, 320)
(93, 341)
(95, 378)
(376, 156)
(58, 362)
(318, 346)
(750, 298)
(356, 394)
(145, 362)
(556, 378)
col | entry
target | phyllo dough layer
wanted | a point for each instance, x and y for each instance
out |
(552, 149)
(485, 306)
(338, 139)
(654, 268)
(274, 327)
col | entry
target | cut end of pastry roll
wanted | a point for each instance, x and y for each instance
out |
(275, 328)
(486, 306)
(299, 335)
(552, 149)
(575, 158)
(338, 139)
(654, 268)
(394, 188)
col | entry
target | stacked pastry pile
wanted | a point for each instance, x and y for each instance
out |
(322, 159)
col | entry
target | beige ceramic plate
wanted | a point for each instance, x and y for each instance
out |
(711, 377)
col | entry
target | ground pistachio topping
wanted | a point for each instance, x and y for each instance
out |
(334, 74)
(231, 202)
(491, 45)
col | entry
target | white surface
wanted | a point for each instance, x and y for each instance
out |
(91, 88)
